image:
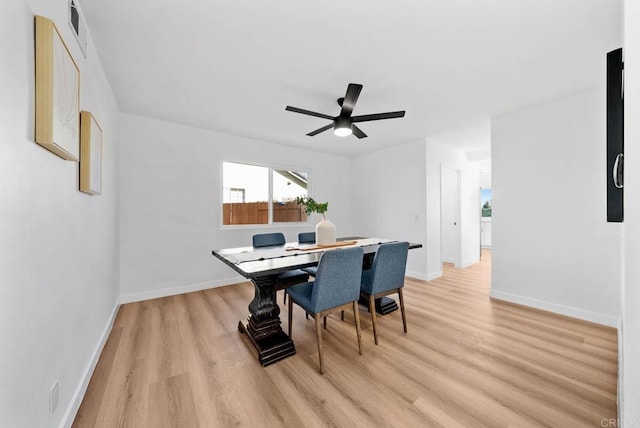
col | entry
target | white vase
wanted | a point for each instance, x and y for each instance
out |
(325, 233)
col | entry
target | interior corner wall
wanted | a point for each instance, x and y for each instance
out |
(58, 246)
(438, 154)
(170, 206)
(552, 247)
(485, 178)
(389, 198)
(630, 350)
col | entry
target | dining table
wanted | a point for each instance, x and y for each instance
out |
(262, 267)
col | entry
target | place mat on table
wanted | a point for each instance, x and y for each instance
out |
(322, 247)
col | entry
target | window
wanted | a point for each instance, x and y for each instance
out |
(485, 202)
(261, 195)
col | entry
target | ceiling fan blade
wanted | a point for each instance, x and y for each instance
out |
(309, 112)
(350, 98)
(358, 132)
(319, 130)
(377, 116)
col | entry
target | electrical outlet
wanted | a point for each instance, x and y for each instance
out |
(54, 398)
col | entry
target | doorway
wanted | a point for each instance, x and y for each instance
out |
(485, 219)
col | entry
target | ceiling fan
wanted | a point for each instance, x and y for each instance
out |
(344, 123)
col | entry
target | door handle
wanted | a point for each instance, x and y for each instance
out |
(618, 171)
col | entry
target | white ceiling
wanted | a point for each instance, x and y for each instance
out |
(234, 65)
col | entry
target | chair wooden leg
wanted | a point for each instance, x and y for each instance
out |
(319, 338)
(404, 317)
(356, 315)
(290, 312)
(372, 309)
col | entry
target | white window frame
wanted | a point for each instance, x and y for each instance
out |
(271, 167)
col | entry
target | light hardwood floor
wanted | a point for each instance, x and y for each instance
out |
(467, 361)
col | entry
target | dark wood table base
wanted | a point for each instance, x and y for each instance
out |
(386, 305)
(263, 325)
(272, 348)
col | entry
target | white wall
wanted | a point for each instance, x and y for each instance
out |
(470, 214)
(58, 246)
(438, 154)
(485, 174)
(389, 198)
(630, 353)
(170, 212)
(552, 246)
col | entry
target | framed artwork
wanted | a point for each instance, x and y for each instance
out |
(57, 93)
(90, 154)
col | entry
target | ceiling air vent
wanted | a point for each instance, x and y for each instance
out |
(79, 27)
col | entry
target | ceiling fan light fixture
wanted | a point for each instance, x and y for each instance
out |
(342, 132)
(344, 124)
(342, 127)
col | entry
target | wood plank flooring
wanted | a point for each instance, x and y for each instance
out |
(467, 361)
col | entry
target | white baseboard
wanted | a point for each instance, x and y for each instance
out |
(78, 395)
(621, 413)
(434, 275)
(556, 308)
(172, 291)
(467, 263)
(448, 260)
(417, 275)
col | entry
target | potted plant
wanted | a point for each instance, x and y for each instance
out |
(325, 230)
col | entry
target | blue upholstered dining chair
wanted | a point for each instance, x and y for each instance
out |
(268, 239)
(336, 287)
(308, 238)
(285, 279)
(386, 276)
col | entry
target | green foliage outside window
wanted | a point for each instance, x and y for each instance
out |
(486, 209)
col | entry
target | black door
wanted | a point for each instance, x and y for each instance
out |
(615, 136)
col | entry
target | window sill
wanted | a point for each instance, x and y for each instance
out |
(266, 226)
